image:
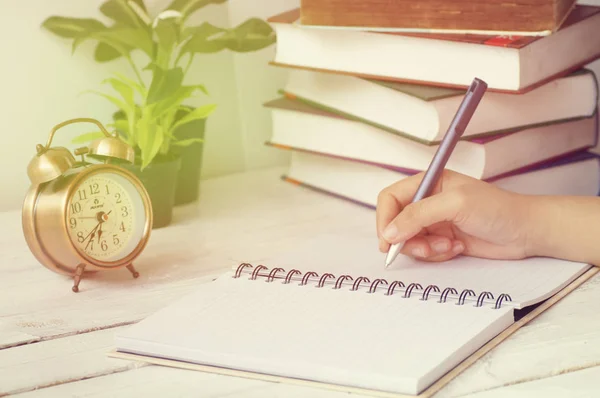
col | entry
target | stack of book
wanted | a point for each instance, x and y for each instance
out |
(371, 93)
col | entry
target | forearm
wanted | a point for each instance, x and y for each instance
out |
(566, 227)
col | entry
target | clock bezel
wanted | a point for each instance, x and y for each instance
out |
(87, 172)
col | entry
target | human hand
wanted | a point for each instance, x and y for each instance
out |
(463, 215)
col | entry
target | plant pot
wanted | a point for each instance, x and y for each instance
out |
(159, 179)
(188, 179)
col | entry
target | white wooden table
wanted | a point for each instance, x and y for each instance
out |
(53, 342)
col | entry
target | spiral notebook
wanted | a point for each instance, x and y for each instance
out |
(328, 314)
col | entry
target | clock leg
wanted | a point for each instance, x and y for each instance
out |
(133, 271)
(77, 277)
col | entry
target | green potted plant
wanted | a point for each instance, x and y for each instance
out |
(152, 115)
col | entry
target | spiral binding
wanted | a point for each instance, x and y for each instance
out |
(328, 278)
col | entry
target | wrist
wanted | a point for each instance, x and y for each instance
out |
(564, 227)
(540, 224)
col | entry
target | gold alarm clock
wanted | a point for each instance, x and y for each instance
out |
(81, 217)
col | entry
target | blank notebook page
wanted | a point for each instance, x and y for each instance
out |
(335, 336)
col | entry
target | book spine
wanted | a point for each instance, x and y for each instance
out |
(505, 16)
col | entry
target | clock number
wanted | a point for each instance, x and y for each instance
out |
(94, 188)
(75, 207)
(73, 222)
(118, 196)
(124, 210)
(82, 194)
(80, 237)
(122, 227)
(107, 191)
(103, 245)
(115, 239)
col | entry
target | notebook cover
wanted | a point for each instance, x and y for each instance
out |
(434, 388)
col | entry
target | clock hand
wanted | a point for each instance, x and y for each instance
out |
(91, 235)
(103, 219)
(89, 241)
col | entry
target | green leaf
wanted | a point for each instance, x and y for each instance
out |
(132, 38)
(188, 7)
(251, 35)
(205, 38)
(150, 139)
(126, 93)
(115, 44)
(120, 104)
(167, 32)
(188, 142)
(122, 40)
(137, 86)
(105, 53)
(167, 35)
(72, 27)
(87, 137)
(164, 83)
(201, 112)
(121, 12)
(173, 101)
(122, 125)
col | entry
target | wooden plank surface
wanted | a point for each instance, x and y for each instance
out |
(563, 339)
(240, 217)
(579, 384)
(156, 381)
(254, 214)
(34, 366)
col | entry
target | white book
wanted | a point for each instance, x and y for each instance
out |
(362, 183)
(328, 313)
(424, 113)
(300, 126)
(507, 64)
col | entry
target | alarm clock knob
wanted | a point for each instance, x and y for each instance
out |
(49, 163)
(111, 147)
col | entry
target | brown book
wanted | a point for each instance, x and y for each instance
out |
(529, 17)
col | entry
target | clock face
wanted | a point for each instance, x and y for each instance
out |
(106, 216)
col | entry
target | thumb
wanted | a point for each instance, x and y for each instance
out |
(438, 208)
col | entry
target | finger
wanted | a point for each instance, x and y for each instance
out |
(394, 198)
(427, 246)
(388, 207)
(384, 247)
(422, 214)
(456, 248)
